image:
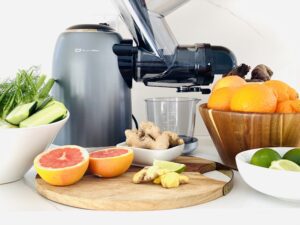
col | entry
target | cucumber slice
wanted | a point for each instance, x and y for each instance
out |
(47, 115)
(20, 113)
(4, 124)
(43, 102)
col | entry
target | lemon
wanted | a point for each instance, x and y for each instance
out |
(293, 155)
(264, 157)
(284, 164)
(170, 166)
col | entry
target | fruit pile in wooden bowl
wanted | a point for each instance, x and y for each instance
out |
(243, 115)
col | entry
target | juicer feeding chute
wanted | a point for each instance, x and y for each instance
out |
(157, 59)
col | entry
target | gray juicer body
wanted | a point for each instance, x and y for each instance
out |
(91, 86)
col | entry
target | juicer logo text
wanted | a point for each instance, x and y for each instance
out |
(81, 50)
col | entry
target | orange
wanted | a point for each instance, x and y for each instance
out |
(284, 91)
(296, 105)
(229, 81)
(254, 98)
(289, 106)
(62, 166)
(220, 98)
(110, 162)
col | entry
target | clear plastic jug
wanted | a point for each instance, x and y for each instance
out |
(174, 114)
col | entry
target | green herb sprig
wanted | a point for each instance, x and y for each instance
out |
(28, 86)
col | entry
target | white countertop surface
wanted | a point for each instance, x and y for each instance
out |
(20, 197)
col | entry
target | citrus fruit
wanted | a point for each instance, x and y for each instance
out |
(285, 107)
(110, 162)
(170, 166)
(285, 164)
(288, 106)
(257, 98)
(229, 81)
(293, 155)
(296, 105)
(220, 98)
(283, 91)
(264, 157)
(63, 165)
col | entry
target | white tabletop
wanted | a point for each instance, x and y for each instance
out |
(20, 197)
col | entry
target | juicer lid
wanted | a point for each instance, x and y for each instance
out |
(97, 27)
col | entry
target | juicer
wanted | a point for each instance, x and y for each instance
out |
(94, 68)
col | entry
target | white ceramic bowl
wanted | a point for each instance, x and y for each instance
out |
(280, 184)
(145, 157)
(19, 146)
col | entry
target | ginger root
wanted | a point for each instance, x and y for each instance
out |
(139, 176)
(149, 173)
(241, 71)
(261, 73)
(149, 136)
(173, 180)
(174, 139)
(166, 178)
(150, 129)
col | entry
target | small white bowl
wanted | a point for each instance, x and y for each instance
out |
(145, 157)
(280, 184)
(19, 146)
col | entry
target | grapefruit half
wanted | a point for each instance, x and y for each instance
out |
(61, 166)
(110, 162)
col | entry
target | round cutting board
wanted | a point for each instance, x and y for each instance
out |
(121, 194)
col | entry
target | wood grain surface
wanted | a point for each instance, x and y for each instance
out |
(233, 132)
(121, 194)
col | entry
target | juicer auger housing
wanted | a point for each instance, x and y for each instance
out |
(157, 59)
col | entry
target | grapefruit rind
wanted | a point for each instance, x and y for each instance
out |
(66, 175)
(111, 166)
(129, 151)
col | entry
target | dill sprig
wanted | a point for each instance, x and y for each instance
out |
(27, 86)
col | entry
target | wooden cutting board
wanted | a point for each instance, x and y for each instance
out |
(121, 194)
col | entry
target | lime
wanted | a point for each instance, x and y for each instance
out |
(264, 157)
(171, 166)
(284, 164)
(293, 155)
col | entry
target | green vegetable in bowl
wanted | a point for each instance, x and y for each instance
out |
(28, 86)
(4, 124)
(26, 95)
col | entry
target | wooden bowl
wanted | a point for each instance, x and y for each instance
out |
(234, 132)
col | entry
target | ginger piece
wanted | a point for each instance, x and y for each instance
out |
(161, 142)
(139, 176)
(261, 73)
(148, 174)
(164, 177)
(134, 140)
(170, 180)
(173, 180)
(174, 139)
(183, 179)
(150, 129)
(149, 136)
(154, 172)
(151, 173)
(157, 180)
(241, 71)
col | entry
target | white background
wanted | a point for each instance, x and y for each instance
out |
(256, 31)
